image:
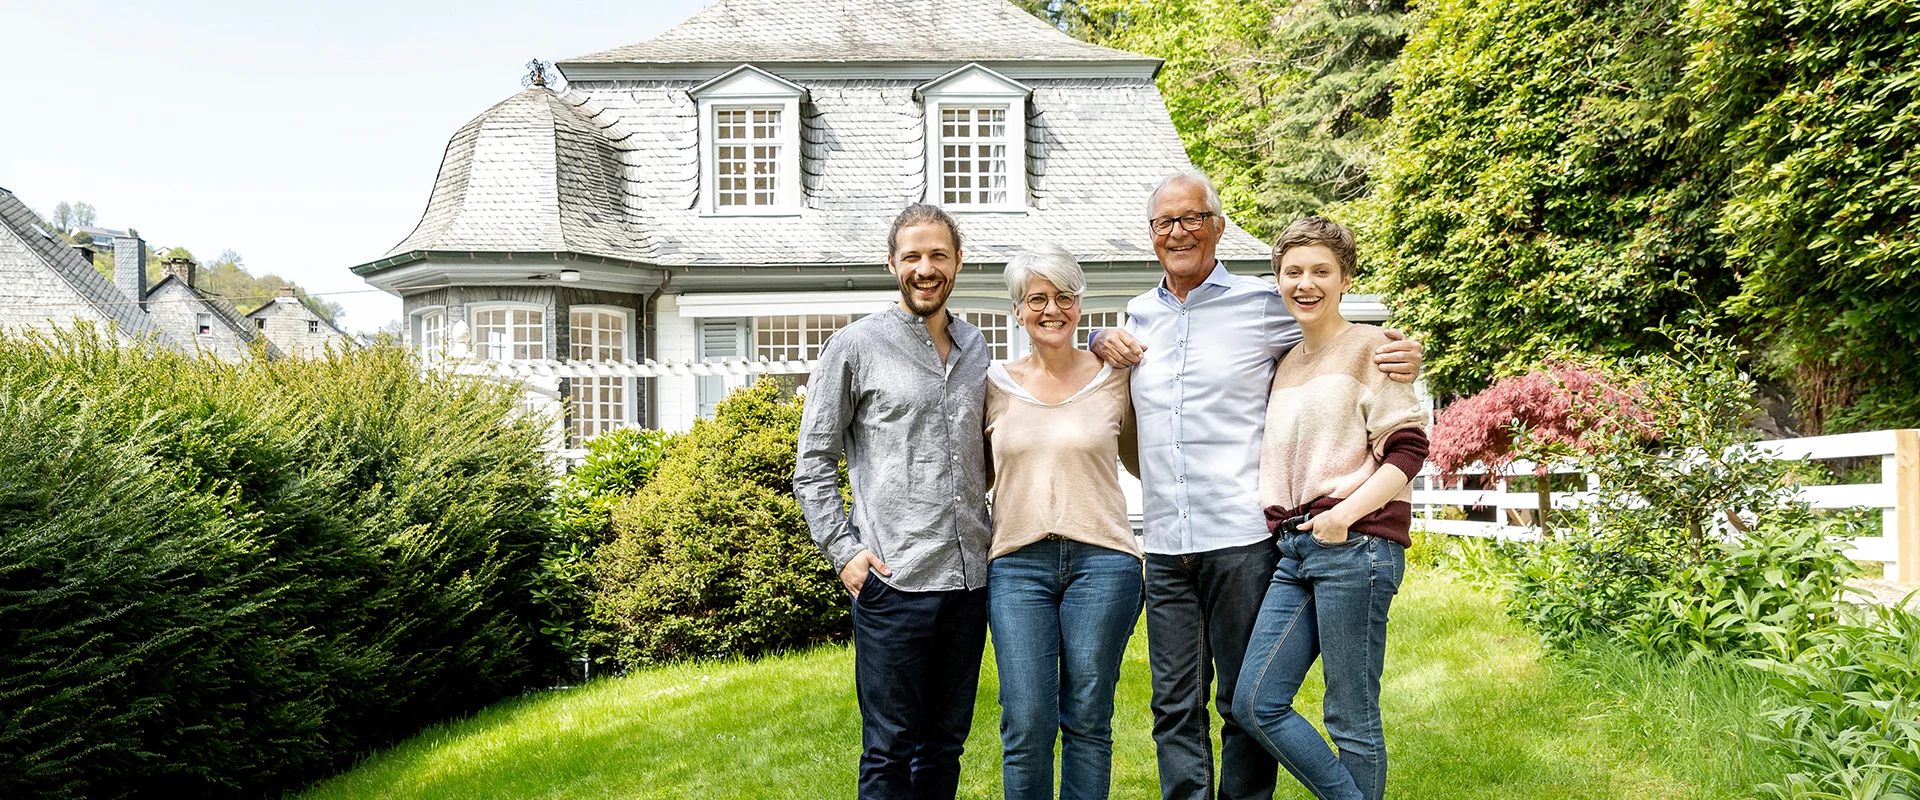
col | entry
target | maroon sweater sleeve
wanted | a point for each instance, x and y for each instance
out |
(1407, 449)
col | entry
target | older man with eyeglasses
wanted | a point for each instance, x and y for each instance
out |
(1203, 345)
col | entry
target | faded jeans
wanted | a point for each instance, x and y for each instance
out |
(1328, 602)
(1061, 613)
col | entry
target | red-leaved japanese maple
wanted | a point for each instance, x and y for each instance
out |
(1546, 413)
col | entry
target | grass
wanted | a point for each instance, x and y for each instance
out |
(1473, 710)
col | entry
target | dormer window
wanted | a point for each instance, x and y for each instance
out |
(749, 143)
(976, 140)
(747, 157)
(973, 155)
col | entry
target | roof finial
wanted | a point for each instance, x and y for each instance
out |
(537, 73)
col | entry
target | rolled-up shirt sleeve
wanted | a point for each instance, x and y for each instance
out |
(824, 426)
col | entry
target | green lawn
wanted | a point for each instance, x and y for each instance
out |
(1472, 710)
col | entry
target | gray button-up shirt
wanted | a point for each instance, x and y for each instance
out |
(911, 430)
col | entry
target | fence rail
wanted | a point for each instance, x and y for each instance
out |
(1896, 496)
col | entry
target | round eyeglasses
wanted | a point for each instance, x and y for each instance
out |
(1038, 302)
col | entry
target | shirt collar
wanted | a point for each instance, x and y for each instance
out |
(1218, 277)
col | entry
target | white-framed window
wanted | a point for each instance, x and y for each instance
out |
(747, 157)
(795, 337)
(976, 140)
(600, 404)
(1091, 321)
(994, 327)
(313, 326)
(431, 335)
(203, 324)
(509, 332)
(973, 155)
(749, 143)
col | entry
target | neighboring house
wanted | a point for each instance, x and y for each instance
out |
(100, 239)
(46, 283)
(297, 329)
(722, 192)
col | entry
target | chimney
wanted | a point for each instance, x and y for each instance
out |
(182, 268)
(130, 268)
(287, 292)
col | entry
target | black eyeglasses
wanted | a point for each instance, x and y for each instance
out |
(1038, 302)
(1192, 222)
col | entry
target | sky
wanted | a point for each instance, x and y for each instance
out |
(304, 136)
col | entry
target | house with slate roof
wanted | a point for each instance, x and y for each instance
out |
(46, 283)
(713, 203)
(297, 329)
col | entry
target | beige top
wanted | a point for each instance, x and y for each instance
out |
(1055, 466)
(1332, 419)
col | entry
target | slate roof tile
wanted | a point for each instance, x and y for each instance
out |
(772, 31)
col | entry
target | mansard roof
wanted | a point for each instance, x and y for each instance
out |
(533, 173)
(773, 31)
(64, 263)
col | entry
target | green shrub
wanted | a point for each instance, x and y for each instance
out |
(618, 462)
(221, 579)
(713, 558)
(1693, 543)
(1849, 710)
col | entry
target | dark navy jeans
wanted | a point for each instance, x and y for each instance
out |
(1061, 613)
(1328, 602)
(1200, 612)
(916, 659)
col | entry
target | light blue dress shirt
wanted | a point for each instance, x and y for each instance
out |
(1200, 394)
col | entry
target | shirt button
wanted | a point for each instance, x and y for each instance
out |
(1183, 515)
(1183, 479)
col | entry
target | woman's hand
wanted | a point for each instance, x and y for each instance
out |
(1329, 526)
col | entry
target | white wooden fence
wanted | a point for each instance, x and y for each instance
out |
(1897, 495)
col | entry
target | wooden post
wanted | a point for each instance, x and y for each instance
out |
(1906, 523)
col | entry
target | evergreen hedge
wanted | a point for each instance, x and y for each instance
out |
(712, 558)
(230, 579)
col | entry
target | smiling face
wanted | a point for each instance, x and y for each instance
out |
(1187, 256)
(1309, 278)
(1052, 326)
(924, 261)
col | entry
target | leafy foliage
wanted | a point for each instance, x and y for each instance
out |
(1540, 188)
(1279, 101)
(221, 579)
(618, 463)
(1850, 713)
(1813, 103)
(712, 557)
(1544, 414)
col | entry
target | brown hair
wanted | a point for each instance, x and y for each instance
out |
(920, 213)
(1321, 231)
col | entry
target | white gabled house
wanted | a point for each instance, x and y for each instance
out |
(713, 203)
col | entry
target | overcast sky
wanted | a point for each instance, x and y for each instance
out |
(303, 136)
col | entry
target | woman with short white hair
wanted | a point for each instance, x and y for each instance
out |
(1064, 581)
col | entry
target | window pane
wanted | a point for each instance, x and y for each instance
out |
(973, 157)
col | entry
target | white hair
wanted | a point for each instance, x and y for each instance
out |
(1213, 195)
(1049, 262)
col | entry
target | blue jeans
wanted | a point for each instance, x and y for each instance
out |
(1330, 602)
(1061, 612)
(916, 666)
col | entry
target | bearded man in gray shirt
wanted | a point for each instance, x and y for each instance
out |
(901, 394)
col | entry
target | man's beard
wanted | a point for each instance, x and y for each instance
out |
(922, 308)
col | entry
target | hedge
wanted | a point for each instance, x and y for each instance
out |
(711, 558)
(230, 579)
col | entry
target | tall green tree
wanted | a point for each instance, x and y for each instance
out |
(1279, 101)
(1814, 103)
(1543, 186)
